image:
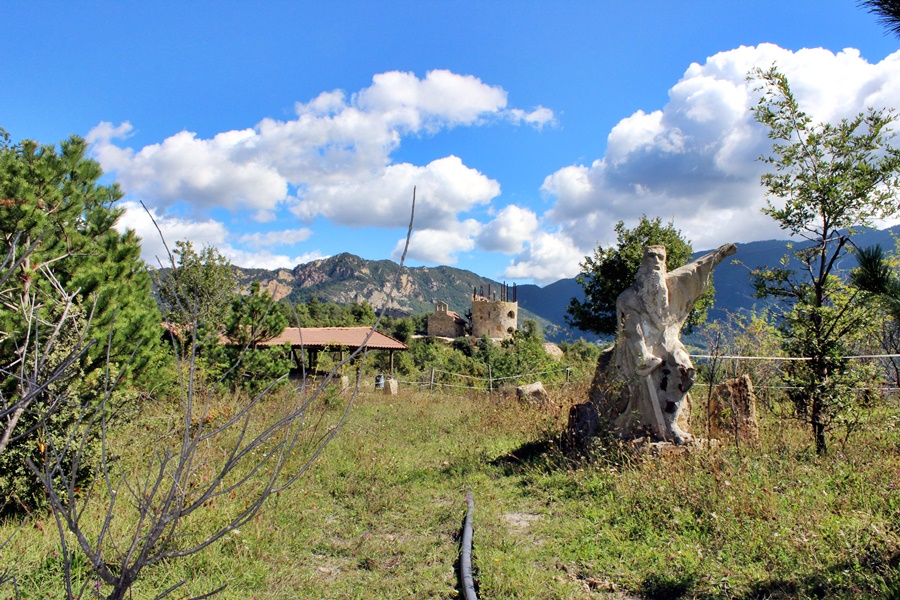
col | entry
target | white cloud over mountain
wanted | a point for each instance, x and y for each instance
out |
(207, 232)
(694, 160)
(509, 230)
(333, 160)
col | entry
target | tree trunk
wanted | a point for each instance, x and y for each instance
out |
(818, 429)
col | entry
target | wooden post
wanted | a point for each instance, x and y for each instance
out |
(568, 370)
(490, 380)
(431, 387)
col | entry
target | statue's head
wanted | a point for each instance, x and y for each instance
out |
(654, 258)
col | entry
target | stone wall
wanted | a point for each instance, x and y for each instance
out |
(445, 322)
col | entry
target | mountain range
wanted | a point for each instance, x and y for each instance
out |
(346, 278)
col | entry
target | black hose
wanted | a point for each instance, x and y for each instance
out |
(465, 560)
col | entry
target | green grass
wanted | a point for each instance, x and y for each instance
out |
(379, 514)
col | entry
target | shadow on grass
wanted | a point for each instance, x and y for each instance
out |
(668, 587)
(875, 578)
(547, 455)
(560, 453)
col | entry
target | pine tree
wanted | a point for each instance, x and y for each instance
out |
(71, 272)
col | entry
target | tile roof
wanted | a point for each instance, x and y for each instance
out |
(456, 317)
(334, 337)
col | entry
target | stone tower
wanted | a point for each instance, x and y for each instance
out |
(495, 317)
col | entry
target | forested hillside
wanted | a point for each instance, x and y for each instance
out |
(346, 279)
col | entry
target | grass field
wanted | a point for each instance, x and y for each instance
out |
(379, 514)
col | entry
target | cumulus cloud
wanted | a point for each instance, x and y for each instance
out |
(333, 160)
(694, 160)
(444, 188)
(153, 245)
(442, 98)
(268, 260)
(330, 160)
(548, 257)
(275, 238)
(509, 230)
(207, 232)
(539, 117)
(440, 246)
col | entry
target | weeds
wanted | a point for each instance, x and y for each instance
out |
(378, 516)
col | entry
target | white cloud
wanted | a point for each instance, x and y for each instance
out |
(332, 160)
(694, 160)
(153, 245)
(509, 231)
(439, 246)
(442, 98)
(539, 117)
(267, 260)
(275, 238)
(207, 232)
(106, 131)
(547, 258)
(208, 173)
(444, 188)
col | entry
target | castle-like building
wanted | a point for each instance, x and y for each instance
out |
(495, 315)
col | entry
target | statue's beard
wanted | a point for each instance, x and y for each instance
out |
(656, 296)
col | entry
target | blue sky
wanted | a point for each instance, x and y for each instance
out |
(281, 132)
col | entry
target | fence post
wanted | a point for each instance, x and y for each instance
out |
(431, 386)
(490, 380)
(568, 370)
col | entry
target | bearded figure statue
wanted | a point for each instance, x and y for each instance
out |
(648, 355)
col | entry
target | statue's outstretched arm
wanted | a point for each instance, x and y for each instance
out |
(686, 284)
(702, 267)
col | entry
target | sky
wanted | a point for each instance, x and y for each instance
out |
(288, 131)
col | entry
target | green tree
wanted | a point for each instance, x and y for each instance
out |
(826, 182)
(876, 275)
(363, 313)
(253, 319)
(199, 288)
(611, 270)
(522, 356)
(77, 297)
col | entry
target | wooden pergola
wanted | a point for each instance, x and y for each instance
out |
(333, 339)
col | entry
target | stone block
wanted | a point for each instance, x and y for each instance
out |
(732, 413)
(533, 392)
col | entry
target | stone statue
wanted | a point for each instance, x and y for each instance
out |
(649, 355)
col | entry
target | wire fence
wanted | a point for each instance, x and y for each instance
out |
(436, 379)
(788, 358)
(770, 380)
